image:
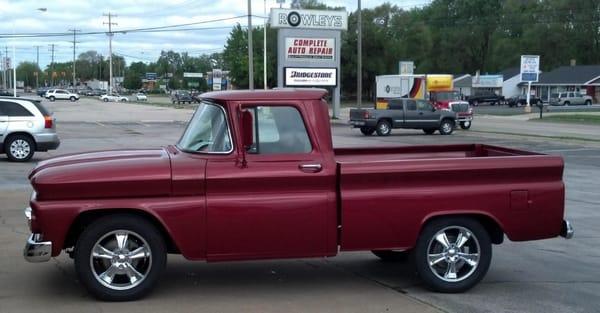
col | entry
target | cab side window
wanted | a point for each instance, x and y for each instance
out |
(424, 106)
(278, 130)
(395, 105)
(411, 105)
(13, 109)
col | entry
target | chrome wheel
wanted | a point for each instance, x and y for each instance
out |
(20, 149)
(453, 254)
(121, 260)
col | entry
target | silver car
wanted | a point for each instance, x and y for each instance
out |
(25, 127)
(570, 98)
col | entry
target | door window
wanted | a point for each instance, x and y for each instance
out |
(13, 109)
(278, 130)
(208, 131)
(411, 105)
(424, 106)
(395, 105)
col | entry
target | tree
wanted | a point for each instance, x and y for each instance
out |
(27, 71)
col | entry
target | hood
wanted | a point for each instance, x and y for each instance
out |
(103, 174)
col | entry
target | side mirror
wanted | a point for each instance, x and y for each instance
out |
(247, 136)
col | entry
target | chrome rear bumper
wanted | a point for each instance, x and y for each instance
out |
(567, 230)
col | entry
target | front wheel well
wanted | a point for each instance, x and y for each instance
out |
(491, 226)
(85, 219)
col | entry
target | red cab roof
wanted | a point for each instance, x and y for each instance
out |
(271, 94)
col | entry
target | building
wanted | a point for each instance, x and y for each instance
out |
(511, 80)
(463, 84)
(582, 78)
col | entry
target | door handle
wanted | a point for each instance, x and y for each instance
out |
(310, 168)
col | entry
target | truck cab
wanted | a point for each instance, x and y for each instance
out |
(452, 101)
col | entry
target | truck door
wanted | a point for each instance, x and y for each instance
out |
(426, 116)
(281, 202)
(396, 112)
(411, 117)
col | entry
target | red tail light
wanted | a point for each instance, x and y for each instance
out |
(366, 115)
(48, 121)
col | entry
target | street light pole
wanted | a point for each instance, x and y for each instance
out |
(359, 62)
(265, 46)
(250, 56)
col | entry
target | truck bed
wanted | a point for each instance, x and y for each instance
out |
(387, 193)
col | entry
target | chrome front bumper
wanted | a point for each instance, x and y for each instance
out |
(36, 250)
(567, 230)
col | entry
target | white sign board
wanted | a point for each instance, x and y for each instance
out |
(217, 75)
(309, 48)
(312, 19)
(487, 81)
(406, 67)
(310, 77)
(192, 75)
(530, 68)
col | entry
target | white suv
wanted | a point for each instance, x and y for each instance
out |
(568, 98)
(61, 94)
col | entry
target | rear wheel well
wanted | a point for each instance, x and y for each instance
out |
(494, 230)
(28, 135)
(387, 119)
(87, 218)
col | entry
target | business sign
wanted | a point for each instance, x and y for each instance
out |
(406, 67)
(310, 77)
(312, 19)
(151, 76)
(217, 76)
(193, 75)
(487, 81)
(530, 68)
(309, 48)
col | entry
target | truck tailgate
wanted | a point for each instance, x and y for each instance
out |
(387, 194)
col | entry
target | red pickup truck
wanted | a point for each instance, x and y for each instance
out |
(255, 176)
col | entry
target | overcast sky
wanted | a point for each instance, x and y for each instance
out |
(24, 16)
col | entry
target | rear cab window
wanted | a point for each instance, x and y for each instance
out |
(278, 130)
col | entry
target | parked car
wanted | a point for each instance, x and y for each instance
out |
(570, 98)
(485, 97)
(522, 100)
(93, 92)
(181, 96)
(41, 91)
(113, 98)
(403, 113)
(25, 127)
(141, 97)
(6, 93)
(118, 213)
(61, 94)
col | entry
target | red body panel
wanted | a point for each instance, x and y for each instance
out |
(216, 208)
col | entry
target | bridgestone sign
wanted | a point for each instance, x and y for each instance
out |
(310, 48)
(299, 77)
(312, 19)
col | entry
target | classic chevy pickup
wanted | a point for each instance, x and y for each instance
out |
(255, 176)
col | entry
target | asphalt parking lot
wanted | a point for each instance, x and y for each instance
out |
(554, 275)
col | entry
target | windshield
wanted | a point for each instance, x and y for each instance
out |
(207, 131)
(447, 96)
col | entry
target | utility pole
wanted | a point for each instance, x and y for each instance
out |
(110, 35)
(52, 64)
(250, 57)
(2, 69)
(74, 43)
(265, 46)
(6, 73)
(37, 62)
(359, 63)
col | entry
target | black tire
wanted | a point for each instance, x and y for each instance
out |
(475, 103)
(566, 103)
(465, 125)
(101, 232)
(588, 102)
(72, 99)
(429, 131)
(51, 98)
(446, 127)
(24, 148)
(478, 242)
(105, 99)
(392, 255)
(367, 131)
(383, 128)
